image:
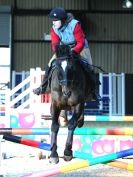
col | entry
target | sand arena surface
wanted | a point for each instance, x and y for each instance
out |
(25, 160)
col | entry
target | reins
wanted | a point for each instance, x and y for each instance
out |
(98, 67)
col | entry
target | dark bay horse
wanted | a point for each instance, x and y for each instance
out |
(69, 90)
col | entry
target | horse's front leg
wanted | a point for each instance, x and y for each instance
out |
(55, 111)
(72, 124)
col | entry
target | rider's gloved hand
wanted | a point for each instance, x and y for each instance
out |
(74, 53)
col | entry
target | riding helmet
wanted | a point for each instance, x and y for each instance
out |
(58, 13)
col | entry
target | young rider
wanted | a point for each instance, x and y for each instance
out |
(68, 30)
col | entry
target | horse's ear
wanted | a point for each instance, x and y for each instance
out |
(62, 50)
(57, 47)
(57, 50)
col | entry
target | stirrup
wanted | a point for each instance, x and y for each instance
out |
(40, 90)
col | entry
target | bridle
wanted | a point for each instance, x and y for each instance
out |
(64, 82)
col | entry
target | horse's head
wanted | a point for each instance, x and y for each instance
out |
(67, 67)
(66, 64)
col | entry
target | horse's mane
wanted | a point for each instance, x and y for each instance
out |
(62, 50)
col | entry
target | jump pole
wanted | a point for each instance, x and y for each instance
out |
(56, 170)
(123, 165)
(117, 164)
(27, 142)
(102, 118)
(63, 131)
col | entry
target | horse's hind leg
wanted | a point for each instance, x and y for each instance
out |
(63, 118)
(54, 131)
(80, 122)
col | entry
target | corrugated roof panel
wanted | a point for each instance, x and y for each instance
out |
(31, 27)
(125, 60)
(110, 26)
(110, 57)
(48, 4)
(31, 55)
(113, 57)
(7, 2)
(106, 5)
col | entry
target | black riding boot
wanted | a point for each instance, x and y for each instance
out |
(43, 86)
(95, 83)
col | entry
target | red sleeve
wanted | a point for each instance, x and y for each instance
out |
(54, 39)
(79, 37)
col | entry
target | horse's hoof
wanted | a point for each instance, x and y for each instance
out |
(54, 160)
(67, 158)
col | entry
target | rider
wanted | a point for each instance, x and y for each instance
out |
(68, 30)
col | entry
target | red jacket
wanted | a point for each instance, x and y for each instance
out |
(79, 38)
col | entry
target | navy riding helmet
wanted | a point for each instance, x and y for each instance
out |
(58, 13)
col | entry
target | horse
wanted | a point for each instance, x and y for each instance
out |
(69, 90)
